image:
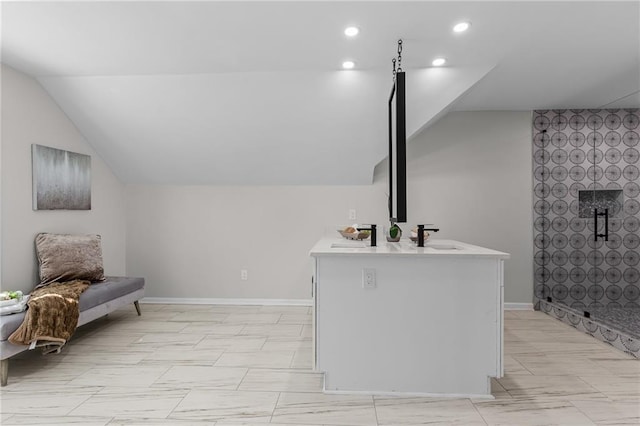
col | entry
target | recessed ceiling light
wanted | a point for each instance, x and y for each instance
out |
(347, 65)
(438, 62)
(351, 31)
(461, 27)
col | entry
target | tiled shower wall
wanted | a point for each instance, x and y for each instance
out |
(574, 151)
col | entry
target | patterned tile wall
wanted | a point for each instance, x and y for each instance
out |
(576, 151)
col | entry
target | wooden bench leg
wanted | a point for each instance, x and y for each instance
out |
(4, 372)
(137, 305)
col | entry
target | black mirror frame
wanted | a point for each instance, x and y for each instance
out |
(398, 163)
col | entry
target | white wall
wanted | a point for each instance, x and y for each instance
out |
(30, 116)
(470, 173)
(192, 241)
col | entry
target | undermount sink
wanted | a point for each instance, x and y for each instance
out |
(435, 246)
(350, 244)
(442, 246)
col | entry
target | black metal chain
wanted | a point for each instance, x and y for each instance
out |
(399, 60)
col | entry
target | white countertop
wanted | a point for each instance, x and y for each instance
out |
(336, 246)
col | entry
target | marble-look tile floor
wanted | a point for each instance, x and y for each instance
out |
(234, 365)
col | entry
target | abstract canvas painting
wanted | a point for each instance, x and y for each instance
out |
(61, 179)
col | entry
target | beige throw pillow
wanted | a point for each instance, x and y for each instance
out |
(69, 257)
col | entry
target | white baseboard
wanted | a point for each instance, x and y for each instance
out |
(225, 301)
(488, 397)
(273, 302)
(518, 306)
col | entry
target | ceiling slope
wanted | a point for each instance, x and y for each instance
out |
(252, 92)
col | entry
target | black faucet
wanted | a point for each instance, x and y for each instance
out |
(421, 230)
(374, 233)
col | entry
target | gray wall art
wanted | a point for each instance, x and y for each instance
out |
(61, 179)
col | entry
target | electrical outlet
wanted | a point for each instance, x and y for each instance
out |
(352, 214)
(244, 274)
(368, 278)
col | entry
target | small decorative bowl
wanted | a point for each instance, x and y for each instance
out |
(358, 235)
(11, 302)
(414, 236)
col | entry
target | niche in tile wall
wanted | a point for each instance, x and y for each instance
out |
(600, 199)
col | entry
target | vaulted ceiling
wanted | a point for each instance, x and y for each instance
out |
(253, 92)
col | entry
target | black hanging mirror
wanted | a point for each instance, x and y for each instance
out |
(397, 146)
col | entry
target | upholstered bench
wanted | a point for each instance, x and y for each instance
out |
(97, 301)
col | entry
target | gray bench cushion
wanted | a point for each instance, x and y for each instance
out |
(96, 294)
(112, 288)
(9, 324)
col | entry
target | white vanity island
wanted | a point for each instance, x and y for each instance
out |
(401, 319)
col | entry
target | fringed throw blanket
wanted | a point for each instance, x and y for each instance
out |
(52, 316)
